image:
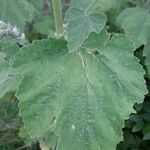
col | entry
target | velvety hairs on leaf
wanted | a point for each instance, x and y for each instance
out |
(77, 78)
(80, 89)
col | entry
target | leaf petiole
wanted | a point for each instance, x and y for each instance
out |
(57, 9)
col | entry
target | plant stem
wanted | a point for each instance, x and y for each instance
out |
(57, 9)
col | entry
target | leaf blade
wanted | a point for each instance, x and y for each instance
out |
(82, 22)
(18, 14)
(82, 97)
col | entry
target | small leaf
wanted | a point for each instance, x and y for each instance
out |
(136, 24)
(81, 22)
(103, 5)
(9, 79)
(44, 21)
(146, 53)
(138, 126)
(146, 107)
(44, 25)
(16, 12)
(146, 117)
(9, 46)
(146, 132)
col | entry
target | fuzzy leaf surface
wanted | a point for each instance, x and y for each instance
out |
(81, 22)
(136, 24)
(9, 79)
(95, 41)
(16, 12)
(146, 53)
(9, 45)
(103, 5)
(83, 97)
(44, 20)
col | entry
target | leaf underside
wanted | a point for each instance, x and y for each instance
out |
(84, 97)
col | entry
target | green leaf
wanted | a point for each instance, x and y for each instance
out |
(16, 12)
(146, 53)
(83, 97)
(81, 22)
(103, 5)
(136, 24)
(44, 25)
(95, 41)
(9, 79)
(38, 4)
(146, 106)
(138, 126)
(43, 6)
(146, 132)
(23, 134)
(44, 21)
(9, 46)
(49, 141)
